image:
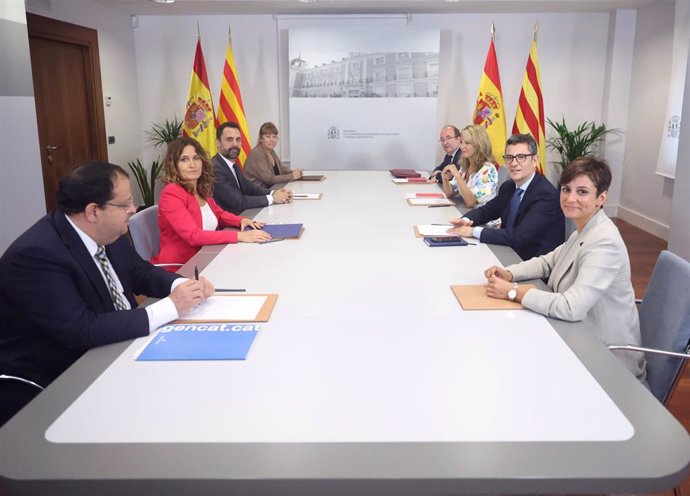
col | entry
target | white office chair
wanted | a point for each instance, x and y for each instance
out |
(665, 324)
(146, 234)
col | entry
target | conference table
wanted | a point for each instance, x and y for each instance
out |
(369, 378)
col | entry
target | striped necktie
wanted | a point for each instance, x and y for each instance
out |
(110, 279)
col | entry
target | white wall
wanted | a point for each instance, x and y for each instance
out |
(572, 52)
(118, 68)
(679, 239)
(165, 54)
(610, 68)
(646, 198)
(21, 188)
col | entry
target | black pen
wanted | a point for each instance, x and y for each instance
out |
(196, 272)
(449, 225)
(224, 290)
(439, 206)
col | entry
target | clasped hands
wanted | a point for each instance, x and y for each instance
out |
(498, 282)
(282, 195)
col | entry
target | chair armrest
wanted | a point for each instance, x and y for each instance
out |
(4, 377)
(629, 347)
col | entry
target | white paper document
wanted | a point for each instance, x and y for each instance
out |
(400, 180)
(434, 230)
(227, 308)
(306, 196)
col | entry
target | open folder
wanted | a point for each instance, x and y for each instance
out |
(233, 308)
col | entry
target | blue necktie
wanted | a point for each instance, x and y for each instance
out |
(514, 205)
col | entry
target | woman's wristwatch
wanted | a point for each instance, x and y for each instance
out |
(512, 293)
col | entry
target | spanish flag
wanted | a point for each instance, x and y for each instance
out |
(529, 118)
(489, 110)
(199, 118)
(230, 107)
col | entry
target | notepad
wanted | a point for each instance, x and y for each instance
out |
(307, 196)
(426, 202)
(399, 180)
(283, 230)
(232, 308)
(221, 341)
(431, 230)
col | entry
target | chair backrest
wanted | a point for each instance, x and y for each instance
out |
(665, 321)
(145, 233)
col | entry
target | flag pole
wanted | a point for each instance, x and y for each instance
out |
(229, 36)
(493, 30)
(198, 32)
(536, 30)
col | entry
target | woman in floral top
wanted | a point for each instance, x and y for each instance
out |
(477, 178)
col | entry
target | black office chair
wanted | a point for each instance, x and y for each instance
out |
(665, 324)
(15, 393)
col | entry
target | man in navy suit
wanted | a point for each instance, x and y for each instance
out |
(68, 284)
(450, 143)
(532, 221)
(231, 190)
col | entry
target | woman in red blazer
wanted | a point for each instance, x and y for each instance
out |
(187, 215)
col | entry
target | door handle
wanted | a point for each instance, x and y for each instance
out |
(52, 148)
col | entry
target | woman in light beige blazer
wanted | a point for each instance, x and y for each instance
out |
(588, 275)
(263, 167)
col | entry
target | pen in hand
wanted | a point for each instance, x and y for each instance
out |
(196, 272)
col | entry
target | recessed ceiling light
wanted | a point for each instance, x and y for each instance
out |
(163, 1)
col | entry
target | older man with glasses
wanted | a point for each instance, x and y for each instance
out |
(450, 143)
(68, 284)
(532, 221)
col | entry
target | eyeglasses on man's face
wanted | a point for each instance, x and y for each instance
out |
(446, 139)
(519, 158)
(126, 205)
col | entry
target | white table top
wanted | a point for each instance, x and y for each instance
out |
(368, 347)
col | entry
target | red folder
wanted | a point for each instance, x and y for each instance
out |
(404, 173)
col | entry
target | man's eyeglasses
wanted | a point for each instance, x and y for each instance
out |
(519, 158)
(127, 205)
(444, 140)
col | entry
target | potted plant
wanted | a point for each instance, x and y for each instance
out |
(578, 142)
(161, 134)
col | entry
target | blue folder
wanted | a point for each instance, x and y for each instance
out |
(283, 230)
(213, 341)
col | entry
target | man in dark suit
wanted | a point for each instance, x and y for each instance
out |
(232, 190)
(532, 221)
(68, 283)
(450, 143)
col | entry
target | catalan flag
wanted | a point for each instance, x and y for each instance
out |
(230, 107)
(529, 118)
(199, 118)
(489, 110)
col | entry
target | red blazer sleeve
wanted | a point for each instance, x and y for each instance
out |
(179, 212)
(225, 218)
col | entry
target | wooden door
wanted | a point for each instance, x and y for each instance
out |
(69, 99)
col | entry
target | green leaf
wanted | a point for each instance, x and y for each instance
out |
(579, 142)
